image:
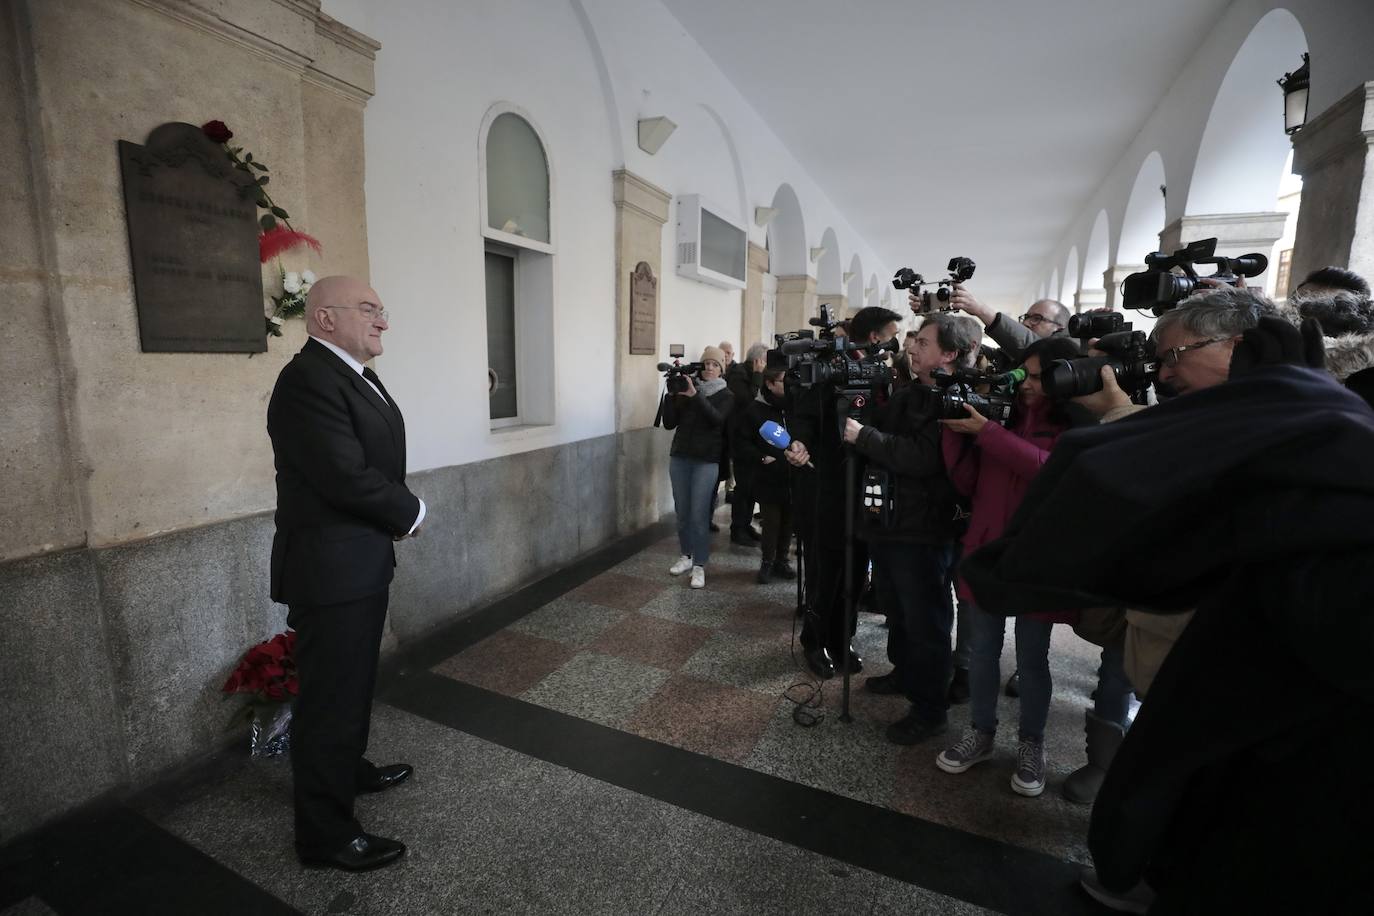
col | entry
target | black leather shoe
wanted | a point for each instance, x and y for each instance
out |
(784, 570)
(958, 687)
(384, 778)
(884, 684)
(854, 662)
(363, 853)
(738, 537)
(753, 534)
(818, 660)
(1013, 688)
(911, 730)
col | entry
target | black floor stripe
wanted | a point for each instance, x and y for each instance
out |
(108, 859)
(984, 872)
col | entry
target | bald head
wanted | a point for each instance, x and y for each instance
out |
(348, 313)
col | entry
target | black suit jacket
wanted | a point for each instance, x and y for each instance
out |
(340, 456)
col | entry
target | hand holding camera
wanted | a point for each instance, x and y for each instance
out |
(971, 425)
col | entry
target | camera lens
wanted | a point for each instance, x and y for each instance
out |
(1072, 378)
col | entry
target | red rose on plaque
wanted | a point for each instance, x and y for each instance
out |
(217, 131)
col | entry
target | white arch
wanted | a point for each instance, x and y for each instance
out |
(1052, 290)
(829, 274)
(741, 198)
(1095, 257)
(495, 111)
(1070, 288)
(1240, 158)
(1144, 216)
(875, 294)
(787, 256)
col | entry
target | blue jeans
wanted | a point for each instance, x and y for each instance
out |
(694, 485)
(1032, 661)
(913, 585)
(1113, 701)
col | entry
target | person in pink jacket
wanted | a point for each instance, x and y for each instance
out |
(994, 466)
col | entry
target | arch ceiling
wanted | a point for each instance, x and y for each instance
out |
(979, 151)
(787, 256)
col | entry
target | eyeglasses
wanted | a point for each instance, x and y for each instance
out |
(370, 311)
(1031, 321)
(1170, 356)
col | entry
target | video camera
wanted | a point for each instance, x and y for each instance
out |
(1131, 354)
(946, 400)
(675, 374)
(1097, 324)
(1159, 289)
(960, 269)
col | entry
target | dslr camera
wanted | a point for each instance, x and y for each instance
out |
(960, 269)
(675, 373)
(822, 358)
(1131, 354)
(1159, 288)
(946, 400)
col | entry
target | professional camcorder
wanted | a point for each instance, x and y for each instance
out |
(947, 398)
(1159, 288)
(960, 269)
(675, 373)
(1131, 354)
(1097, 324)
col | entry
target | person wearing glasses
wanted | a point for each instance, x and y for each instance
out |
(1194, 344)
(1044, 318)
(338, 442)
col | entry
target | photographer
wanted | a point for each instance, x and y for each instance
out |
(1044, 318)
(697, 416)
(819, 502)
(994, 466)
(913, 550)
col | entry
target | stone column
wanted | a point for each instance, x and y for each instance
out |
(796, 301)
(1111, 282)
(1087, 299)
(1334, 154)
(751, 318)
(1236, 234)
(642, 489)
(838, 302)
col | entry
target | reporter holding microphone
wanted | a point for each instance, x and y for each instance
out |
(768, 473)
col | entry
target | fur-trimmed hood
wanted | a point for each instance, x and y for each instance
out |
(1345, 355)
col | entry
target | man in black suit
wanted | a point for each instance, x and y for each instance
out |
(339, 445)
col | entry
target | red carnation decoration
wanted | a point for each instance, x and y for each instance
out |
(280, 239)
(268, 670)
(217, 131)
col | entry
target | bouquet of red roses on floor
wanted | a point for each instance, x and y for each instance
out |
(267, 672)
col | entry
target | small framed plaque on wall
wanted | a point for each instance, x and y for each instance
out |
(643, 310)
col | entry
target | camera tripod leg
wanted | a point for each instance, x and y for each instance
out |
(851, 498)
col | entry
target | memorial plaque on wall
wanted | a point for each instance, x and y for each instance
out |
(643, 310)
(193, 241)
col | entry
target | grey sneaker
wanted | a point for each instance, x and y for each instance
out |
(1029, 778)
(975, 747)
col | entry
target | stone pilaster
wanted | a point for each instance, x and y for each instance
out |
(1236, 234)
(1111, 282)
(641, 209)
(796, 301)
(838, 302)
(751, 318)
(1088, 299)
(1334, 154)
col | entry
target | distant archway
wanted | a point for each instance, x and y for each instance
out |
(829, 274)
(1069, 290)
(1095, 257)
(854, 289)
(1143, 220)
(786, 235)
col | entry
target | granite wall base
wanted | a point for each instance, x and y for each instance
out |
(112, 658)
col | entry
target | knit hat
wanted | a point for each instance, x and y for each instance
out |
(715, 354)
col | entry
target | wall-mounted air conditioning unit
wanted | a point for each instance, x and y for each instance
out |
(710, 247)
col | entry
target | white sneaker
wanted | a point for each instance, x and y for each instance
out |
(698, 577)
(973, 748)
(1029, 777)
(683, 564)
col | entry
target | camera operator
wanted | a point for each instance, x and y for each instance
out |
(1044, 318)
(914, 551)
(1239, 786)
(744, 379)
(819, 503)
(697, 415)
(994, 465)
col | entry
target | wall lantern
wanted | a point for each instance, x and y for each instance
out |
(1294, 86)
(654, 132)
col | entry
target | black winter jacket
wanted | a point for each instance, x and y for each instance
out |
(699, 424)
(904, 440)
(770, 481)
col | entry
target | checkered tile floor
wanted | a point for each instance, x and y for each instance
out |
(708, 671)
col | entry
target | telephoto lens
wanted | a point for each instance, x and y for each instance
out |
(1096, 324)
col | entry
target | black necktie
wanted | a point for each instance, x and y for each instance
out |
(372, 377)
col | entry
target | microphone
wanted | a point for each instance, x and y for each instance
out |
(773, 433)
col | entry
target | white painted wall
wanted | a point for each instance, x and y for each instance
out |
(585, 71)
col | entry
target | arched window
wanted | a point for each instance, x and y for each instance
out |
(517, 195)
